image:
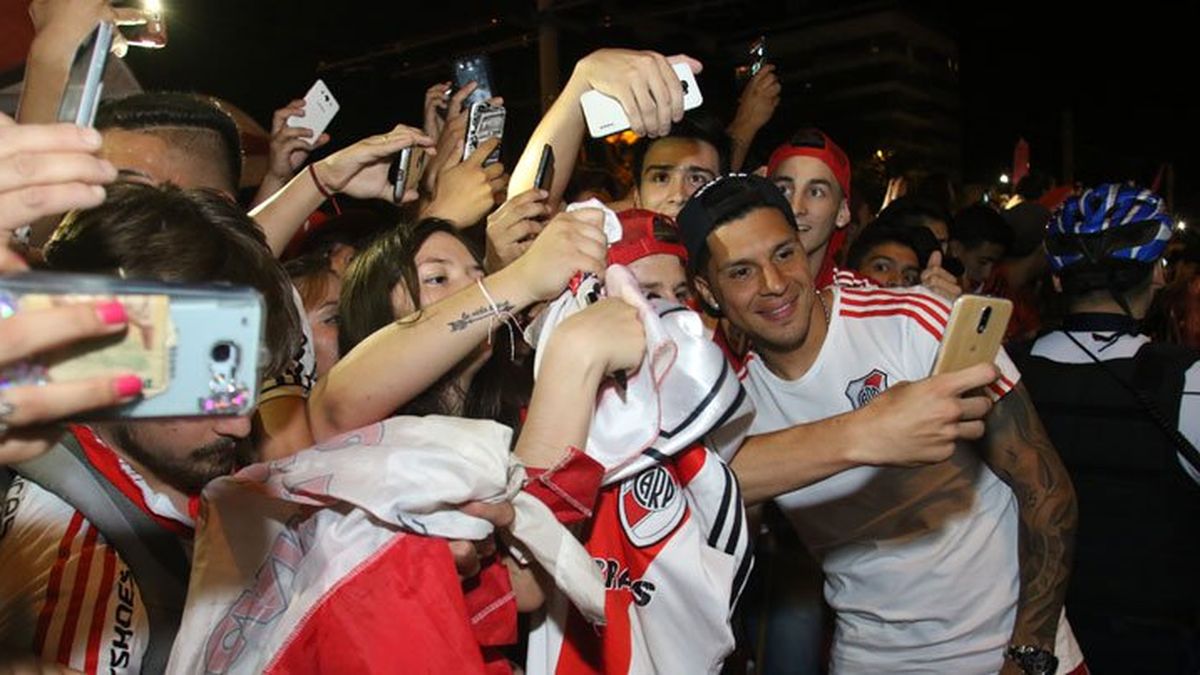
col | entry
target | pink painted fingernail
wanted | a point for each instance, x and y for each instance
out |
(128, 385)
(112, 312)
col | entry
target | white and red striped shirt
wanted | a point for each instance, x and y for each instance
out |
(65, 594)
(921, 564)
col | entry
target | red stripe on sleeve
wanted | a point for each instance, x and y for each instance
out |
(108, 464)
(936, 313)
(54, 584)
(920, 318)
(876, 292)
(689, 462)
(83, 569)
(100, 610)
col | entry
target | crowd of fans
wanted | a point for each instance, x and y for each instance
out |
(672, 370)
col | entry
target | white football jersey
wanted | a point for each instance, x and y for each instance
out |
(921, 564)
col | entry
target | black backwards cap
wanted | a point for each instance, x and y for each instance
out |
(727, 198)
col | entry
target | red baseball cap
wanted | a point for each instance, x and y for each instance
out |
(815, 143)
(638, 240)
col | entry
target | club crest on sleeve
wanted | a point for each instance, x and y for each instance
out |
(864, 389)
(651, 505)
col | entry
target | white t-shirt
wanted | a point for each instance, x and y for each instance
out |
(921, 564)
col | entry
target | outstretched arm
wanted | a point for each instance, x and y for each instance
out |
(643, 82)
(912, 423)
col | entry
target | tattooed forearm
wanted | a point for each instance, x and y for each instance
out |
(1019, 452)
(485, 312)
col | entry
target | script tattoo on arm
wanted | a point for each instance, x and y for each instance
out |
(1018, 450)
(485, 312)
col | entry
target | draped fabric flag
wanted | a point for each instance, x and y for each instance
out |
(333, 560)
(669, 530)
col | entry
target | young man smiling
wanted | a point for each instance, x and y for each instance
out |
(813, 174)
(1001, 552)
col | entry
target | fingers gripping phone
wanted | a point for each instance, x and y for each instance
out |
(485, 121)
(405, 171)
(320, 107)
(195, 346)
(973, 333)
(86, 80)
(475, 68)
(605, 116)
(545, 170)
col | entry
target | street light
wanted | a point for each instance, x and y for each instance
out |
(1004, 179)
(1181, 225)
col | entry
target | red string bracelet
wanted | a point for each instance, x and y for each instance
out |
(322, 189)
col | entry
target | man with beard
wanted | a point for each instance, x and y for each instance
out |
(76, 590)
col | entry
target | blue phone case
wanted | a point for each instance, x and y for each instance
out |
(218, 340)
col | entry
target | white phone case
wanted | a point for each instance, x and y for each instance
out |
(319, 109)
(605, 116)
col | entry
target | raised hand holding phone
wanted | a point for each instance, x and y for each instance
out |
(319, 109)
(466, 190)
(512, 228)
(645, 84)
(361, 170)
(973, 333)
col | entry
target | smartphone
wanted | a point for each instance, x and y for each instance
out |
(485, 121)
(545, 170)
(475, 68)
(196, 347)
(150, 30)
(85, 82)
(319, 109)
(405, 171)
(756, 58)
(605, 116)
(973, 334)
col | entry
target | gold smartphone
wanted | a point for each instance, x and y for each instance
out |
(973, 333)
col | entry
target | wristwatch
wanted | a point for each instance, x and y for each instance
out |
(1032, 660)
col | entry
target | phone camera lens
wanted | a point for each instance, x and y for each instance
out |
(221, 352)
(983, 320)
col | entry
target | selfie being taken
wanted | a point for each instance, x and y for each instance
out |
(581, 338)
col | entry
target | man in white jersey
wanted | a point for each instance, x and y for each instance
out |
(941, 568)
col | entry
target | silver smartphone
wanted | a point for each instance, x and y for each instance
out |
(196, 347)
(86, 80)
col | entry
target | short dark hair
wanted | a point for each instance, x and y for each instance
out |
(162, 112)
(912, 212)
(1034, 185)
(981, 224)
(191, 236)
(919, 239)
(727, 198)
(696, 125)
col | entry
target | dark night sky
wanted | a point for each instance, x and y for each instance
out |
(1126, 74)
